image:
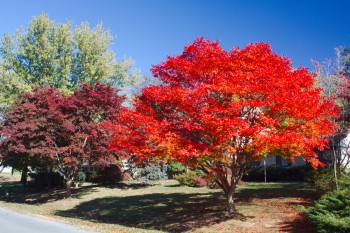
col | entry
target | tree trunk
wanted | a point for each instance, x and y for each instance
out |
(228, 183)
(48, 179)
(335, 166)
(24, 176)
(335, 175)
(69, 188)
(231, 209)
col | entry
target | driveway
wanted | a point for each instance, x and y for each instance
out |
(12, 222)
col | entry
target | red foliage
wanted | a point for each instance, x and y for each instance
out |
(136, 132)
(199, 182)
(86, 109)
(48, 129)
(231, 107)
(27, 129)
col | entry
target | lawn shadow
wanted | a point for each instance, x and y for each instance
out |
(170, 212)
(172, 185)
(14, 192)
(300, 224)
(279, 190)
(179, 212)
(175, 212)
(302, 193)
(126, 185)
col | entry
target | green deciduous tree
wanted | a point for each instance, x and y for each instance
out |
(56, 55)
(10, 86)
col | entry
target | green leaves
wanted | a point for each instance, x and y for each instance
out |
(10, 86)
(331, 213)
(53, 54)
(93, 60)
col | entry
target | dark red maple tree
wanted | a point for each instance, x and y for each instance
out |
(26, 130)
(220, 110)
(46, 129)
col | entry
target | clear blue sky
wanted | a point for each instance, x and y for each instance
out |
(149, 30)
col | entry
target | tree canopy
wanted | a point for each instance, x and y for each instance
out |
(57, 55)
(220, 110)
(46, 129)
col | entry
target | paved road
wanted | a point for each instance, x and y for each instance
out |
(12, 222)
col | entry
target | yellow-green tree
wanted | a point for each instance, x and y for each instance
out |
(57, 55)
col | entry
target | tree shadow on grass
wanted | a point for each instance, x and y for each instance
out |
(15, 192)
(175, 212)
(300, 224)
(302, 194)
(172, 185)
(280, 190)
(124, 186)
(179, 212)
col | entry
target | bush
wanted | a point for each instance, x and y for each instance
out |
(332, 212)
(155, 172)
(323, 179)
(152, 172)
(110, 174)
(190, 179)
(199, 172)
(93, 177)
(126, 176)
(186, 179)
(46, 179)
(210, 180)
(175, 168)
(199, 182)
(344, 180)
(276, 173)
(81, 176)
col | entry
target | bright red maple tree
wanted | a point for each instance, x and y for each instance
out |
(220, 110)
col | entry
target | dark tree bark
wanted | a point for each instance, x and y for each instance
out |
(24, 176)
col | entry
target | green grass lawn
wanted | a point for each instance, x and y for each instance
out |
(166, 207)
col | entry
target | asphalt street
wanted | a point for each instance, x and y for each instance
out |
(12, 222)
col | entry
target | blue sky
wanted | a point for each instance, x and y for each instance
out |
(149, 30)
